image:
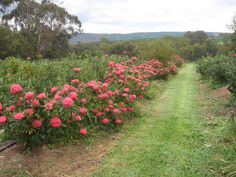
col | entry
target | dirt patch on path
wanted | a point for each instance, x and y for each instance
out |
(222, 92)
(73, 160)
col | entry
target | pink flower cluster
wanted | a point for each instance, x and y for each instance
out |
(80, 106)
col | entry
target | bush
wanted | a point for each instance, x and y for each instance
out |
(42, 113)
(220, 69)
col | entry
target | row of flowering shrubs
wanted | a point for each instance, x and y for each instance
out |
(220, 69)
(72, 110)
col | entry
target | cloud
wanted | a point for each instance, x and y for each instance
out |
(124, 16)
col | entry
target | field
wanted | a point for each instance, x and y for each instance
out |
(181, 132)
(124, 100)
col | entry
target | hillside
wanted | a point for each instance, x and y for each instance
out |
(95, 37)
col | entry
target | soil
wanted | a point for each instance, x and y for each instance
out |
(222, 92)
(77, 159)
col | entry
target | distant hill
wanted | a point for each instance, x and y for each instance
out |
(95, 37)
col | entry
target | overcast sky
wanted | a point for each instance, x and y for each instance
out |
(125, 16)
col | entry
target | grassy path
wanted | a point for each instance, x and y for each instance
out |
(170, 138)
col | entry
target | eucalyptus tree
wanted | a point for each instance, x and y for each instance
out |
(45, 25)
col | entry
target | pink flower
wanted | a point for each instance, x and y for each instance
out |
(125, 94)
(83, 111)
(0, 107)
(95, 111)
(124, 109)
(234, 54)
(36, 123)
(68, 102)
(83, 131)
(10, 108)
(75, 81)
(116, 92)
(49, 106)
(116, 111)
(19, 116)
(133, 97)
(29, 95)
(110, 106)
(98, 114)
(66, 88)
(109, 93)
(130, 109)
(103, 96)
(83, 100)
(29, 111)
(105, 86)
(126, 90)
(110, 102)
(73, 95)
(134, 58)
(35, 103)
(15, 88)
(55, 122)
(96, 87)
(18, 102)
(107, 109)
(118, 121)
(111, 64)
(54, 89)
(105, 121)
(121, 76)
(57, 97)
(3, 119)
(121, 81)
(76, 70)
(42, 96)
(140, 97)
(78, 118)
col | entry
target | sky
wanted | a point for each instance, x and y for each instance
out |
(126, 16)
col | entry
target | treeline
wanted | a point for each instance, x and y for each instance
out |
(30, 29)
(192, 46)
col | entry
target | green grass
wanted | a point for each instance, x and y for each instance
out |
(171, 139)
(1, 135)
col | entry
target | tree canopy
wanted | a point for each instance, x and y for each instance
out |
(46, 26)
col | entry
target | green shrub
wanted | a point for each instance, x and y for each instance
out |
(220, 69)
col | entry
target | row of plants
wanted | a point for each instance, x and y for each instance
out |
(34, 117)
(220, 70)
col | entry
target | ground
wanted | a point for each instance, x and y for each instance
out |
(179, 134)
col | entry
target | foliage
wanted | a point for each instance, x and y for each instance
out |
(164, 48)
(196, 37)
(58, 99)
(46, 26)
(220, 69)
(232, 27)
(13, 44)
(122, 48)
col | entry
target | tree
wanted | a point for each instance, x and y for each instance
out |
(45, 25)
(196, 37)
(232, 27)
(13, 44)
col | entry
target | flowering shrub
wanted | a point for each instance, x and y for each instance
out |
(179, 60)
(70, 111)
